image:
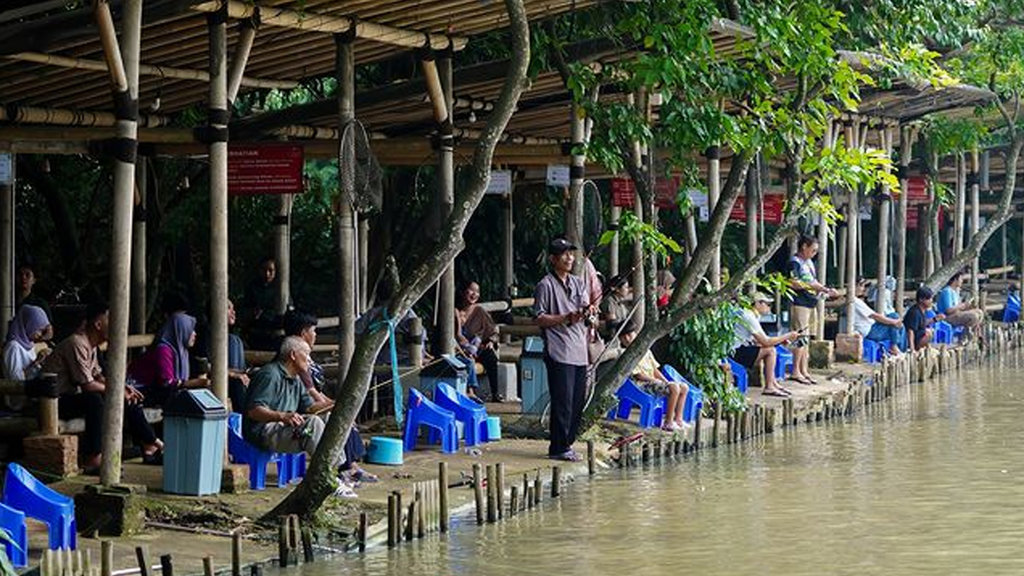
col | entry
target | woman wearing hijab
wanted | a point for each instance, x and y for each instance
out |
(21, 360)
(164, 368)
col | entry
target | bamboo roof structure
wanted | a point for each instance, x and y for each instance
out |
(54, 59)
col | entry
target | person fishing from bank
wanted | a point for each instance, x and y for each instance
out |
(751, 345)
(647, 375)
(561, 305)
(804, 306)
(916, 321)
(877, 327)
(958, 312)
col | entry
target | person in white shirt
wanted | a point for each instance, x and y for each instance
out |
(752, 345)
(21, 360)
(877, 327)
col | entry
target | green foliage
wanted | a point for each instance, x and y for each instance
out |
(698, 346)
(848, 168)
(632, 229)
(6, 568)
(944, 135)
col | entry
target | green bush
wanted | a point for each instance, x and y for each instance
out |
(698, 346)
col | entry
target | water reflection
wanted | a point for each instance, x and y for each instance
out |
(930, 483)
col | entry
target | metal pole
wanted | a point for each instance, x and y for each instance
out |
(219, 115)
(124, 67)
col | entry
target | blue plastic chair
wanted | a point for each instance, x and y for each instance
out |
(1011, 313)
(873, 351)
(943, 332)
(472, 415)
(783, 361)
(22, 491)
(242, 452)
(652, 408)
(423, 412)
(694, 403)
(739, 373)
(13, 521)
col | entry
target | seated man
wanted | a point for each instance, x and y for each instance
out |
(279, 410)
(647, 376)
(752, 345)
(877, 327)
(916, 321)
(957, 313)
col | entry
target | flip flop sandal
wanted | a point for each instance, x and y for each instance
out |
(777, 393)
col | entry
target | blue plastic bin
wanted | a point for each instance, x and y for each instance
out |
(493, 428)
(534, 376)
(194, 438)
(385, 451)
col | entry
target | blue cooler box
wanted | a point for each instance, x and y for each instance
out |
(194, 437)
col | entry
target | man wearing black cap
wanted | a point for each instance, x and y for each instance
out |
(561, 304)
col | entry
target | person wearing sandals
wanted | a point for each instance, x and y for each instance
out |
(164, 369)
(647, 376)
(804, 306)
(303, 325)
(477, 335)
(561, 304)
(752, 345)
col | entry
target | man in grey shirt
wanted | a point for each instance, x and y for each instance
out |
(560, 305)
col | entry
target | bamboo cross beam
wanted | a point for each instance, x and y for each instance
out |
(337, 24)
(144, 70)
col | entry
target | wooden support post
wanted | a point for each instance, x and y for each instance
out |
(363, 525)
(907, 135)
(884, 209)
(976, 215)
(478, 493)
(852, 225)
(960, 203)
(391, 521)
(138, 266)
(717, 424)
(508, 245)
(345, 73)
(590, 457)
(124, 71)
(442, 485)
(556, 481)
(8, 201)
(283, 251)
(750, 203)
(513, 505)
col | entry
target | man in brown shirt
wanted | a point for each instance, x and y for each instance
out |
(82, 386)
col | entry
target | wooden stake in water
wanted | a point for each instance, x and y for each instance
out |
(236, 554)
(420, 504)
(307, 544)
(492, 512)
(208, 566)
(538, 486)
(499, 488)
(590, 457)
(166, 564)
(478, 493)
(362, 531)
(556, 481)
(142, 555)
(442, 484)
(391, 521)
(513, 506)
(107, 558)
(529, 497)
(282, 542)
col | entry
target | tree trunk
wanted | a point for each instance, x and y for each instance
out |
(320, 481)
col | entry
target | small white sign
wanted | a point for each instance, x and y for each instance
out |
(700, 204)
(5, 168)
(500, 183)
(558, 175)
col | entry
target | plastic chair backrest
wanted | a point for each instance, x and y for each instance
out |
(13, 521)
(673, 375)
(21, 480)
(235, 422)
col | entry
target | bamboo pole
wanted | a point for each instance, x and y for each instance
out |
(363, 300)
(124, 73)
(283, 250)
(853, 220)
(146, 70)
(960, 206)
(442, 485)
(975, 214)
(615, 212)
(884, 208)
(218, 157)
(821, 266)
(345, 72)
(138, 266)
(8, 198)
(243, 46)
(446, 201)
(907, 134)
(508, 246)
(306, 20)
(713, 155)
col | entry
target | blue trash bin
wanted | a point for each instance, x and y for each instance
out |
(534, 374)
(194, 438)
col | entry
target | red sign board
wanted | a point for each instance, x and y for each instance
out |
(917, 190)
(265, 169)
(665, 190)
(773, 204)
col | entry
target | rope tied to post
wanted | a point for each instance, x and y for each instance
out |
(396, 381)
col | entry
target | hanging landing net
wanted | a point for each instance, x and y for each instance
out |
(358, 169)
